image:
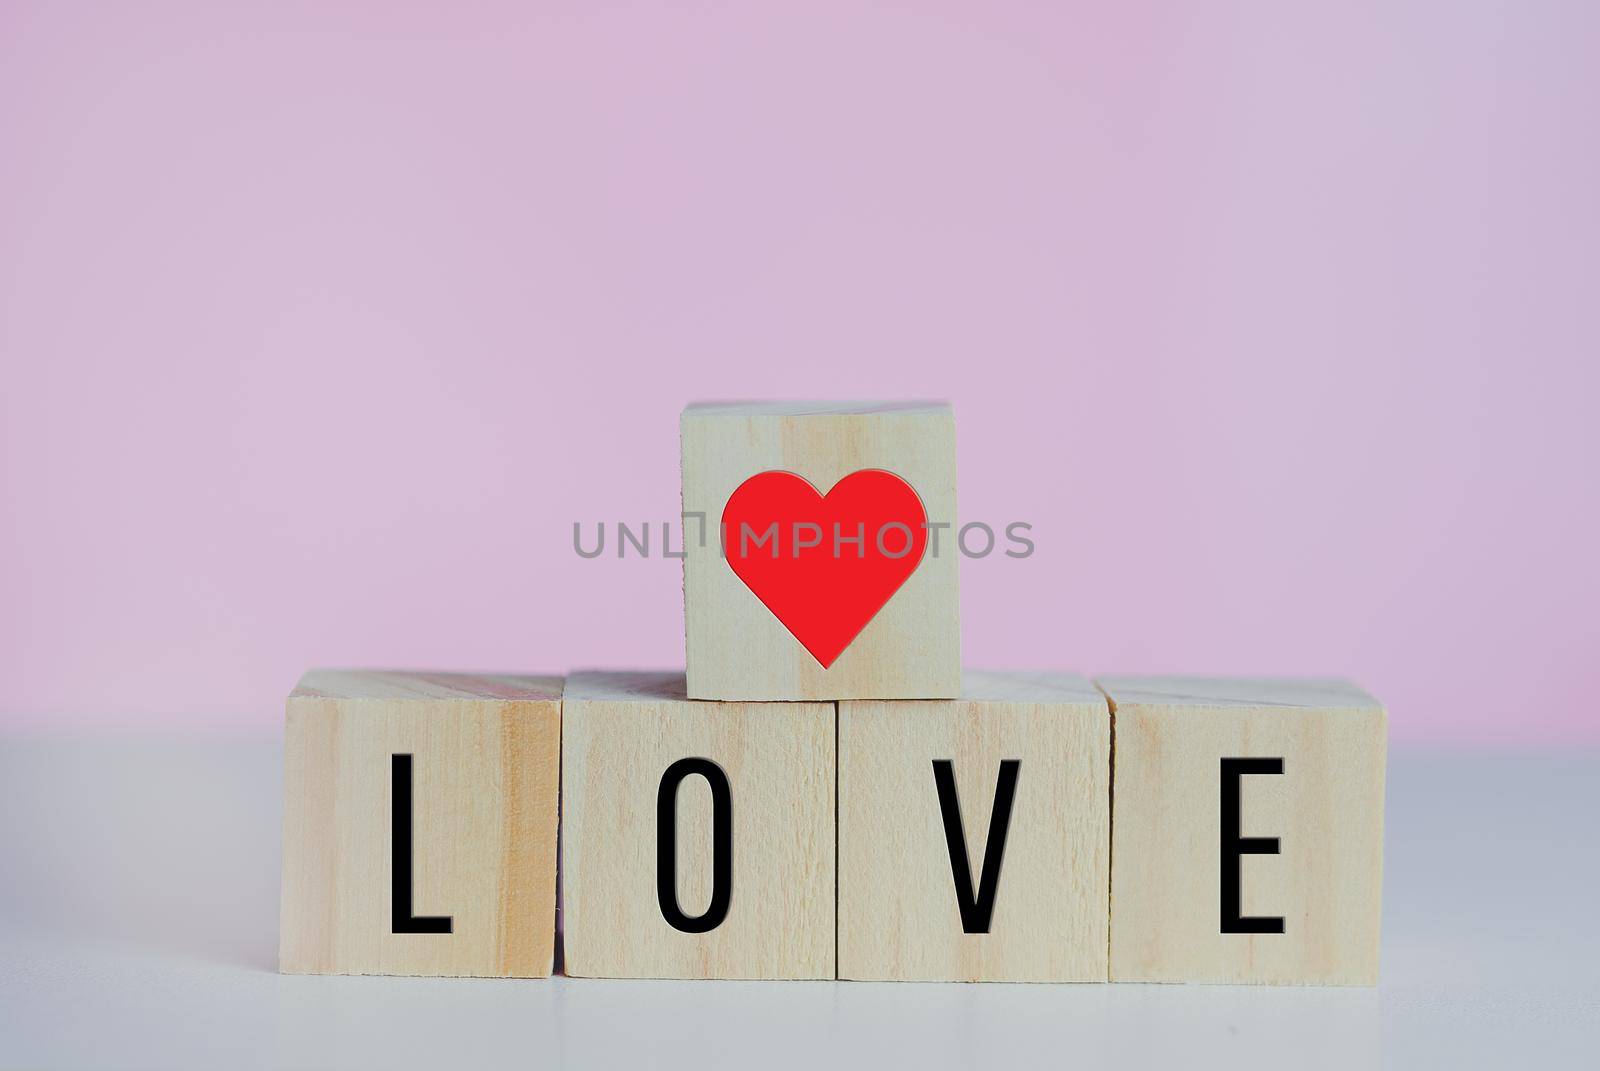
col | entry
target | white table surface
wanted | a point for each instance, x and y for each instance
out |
(138, 928)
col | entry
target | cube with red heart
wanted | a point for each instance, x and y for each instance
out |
(820, 551)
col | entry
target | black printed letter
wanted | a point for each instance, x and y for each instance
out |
(721, 845)
(1236, 847)
(976, 909)
(403, 920)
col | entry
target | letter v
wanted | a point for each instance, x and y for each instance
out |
(976, 907)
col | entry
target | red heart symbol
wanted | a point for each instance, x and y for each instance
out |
(796, 550)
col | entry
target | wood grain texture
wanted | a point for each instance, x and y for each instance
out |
(737, 649)
(622, 731)
(1326, 809)
(485, 774)
(898, 915)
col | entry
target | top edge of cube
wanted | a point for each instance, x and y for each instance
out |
(654, 685)
(648, 686)
(1316, 693)
(779, 409)
(1027, 686)
(414, 684)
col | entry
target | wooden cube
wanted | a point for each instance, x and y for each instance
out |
(419, 824)
(930, 887)
(845, 642)
(697, 837)
(1247, 830)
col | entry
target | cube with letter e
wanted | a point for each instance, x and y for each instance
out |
(1247, 830)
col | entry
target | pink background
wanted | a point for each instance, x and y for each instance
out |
(322, 323)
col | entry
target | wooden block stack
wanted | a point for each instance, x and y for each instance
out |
(822, 794)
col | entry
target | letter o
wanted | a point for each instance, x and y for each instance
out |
(721, 845)
(911, 540)
(961, 538)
